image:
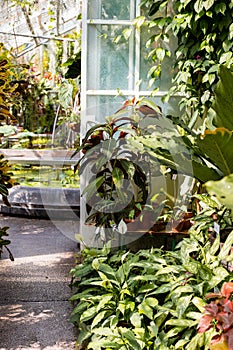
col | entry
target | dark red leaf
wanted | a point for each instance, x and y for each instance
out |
(204, 323)
(227, 289)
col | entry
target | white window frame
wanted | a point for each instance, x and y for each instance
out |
(134, 51)
(88, 232)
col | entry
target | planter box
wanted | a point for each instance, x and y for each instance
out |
(55, 203)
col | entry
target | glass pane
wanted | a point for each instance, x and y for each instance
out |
(171, 107)
(103, 106)
(107, 9)
(108, 63)
(164, 82)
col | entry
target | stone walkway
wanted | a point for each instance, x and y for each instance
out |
(34, 289)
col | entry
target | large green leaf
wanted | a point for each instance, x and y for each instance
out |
(222, 190)
(93, 187)
(223, 104)
(65, 94)
(217, 145)
(181, 155)
(204, 173)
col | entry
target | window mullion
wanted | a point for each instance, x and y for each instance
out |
(137, 53)
(84, 56)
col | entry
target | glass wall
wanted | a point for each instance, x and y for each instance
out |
(115, 61)
(115, 68)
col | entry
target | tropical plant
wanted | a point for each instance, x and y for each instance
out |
(150, 299)
(6, 182)
(218, 315)
(118, 186)
(206, 155)
(6, 88)
(6, 117)
(222, 190)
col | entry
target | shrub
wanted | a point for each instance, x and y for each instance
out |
(152, 299)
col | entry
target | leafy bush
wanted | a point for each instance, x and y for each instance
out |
(6, 117)
(202, 31)
(152, 299)
(6, 182)
(219, 316)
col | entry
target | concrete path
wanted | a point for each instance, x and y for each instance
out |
(34, 289)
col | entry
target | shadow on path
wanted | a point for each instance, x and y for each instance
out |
(34, 289)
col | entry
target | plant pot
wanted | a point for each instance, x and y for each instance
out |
(181, 225)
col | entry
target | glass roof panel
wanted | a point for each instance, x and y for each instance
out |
(23, 28)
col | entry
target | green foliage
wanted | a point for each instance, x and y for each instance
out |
(219, 140)
(73, 65)
(207, 155)
(204, 32)
(6, 182)
(223, 99)
(218, 316)
(218, 146)
(6, 88)
(147, 300)
(117, 186)
(222, 190)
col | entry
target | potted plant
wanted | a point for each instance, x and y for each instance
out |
(117, 189)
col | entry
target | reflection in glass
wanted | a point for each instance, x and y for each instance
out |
(103, 106)
(165, 80)
(107, 9)
(108, 63)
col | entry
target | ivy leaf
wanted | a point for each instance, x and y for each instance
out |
(198, 6)
(126, 33)
(136, 320)
(155, 7)
(139, 21)
(208, 4)
(160, 53)
(220, 8)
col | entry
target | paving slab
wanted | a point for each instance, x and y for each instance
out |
(34, 289)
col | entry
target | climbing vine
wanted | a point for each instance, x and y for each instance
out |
(204, 33)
